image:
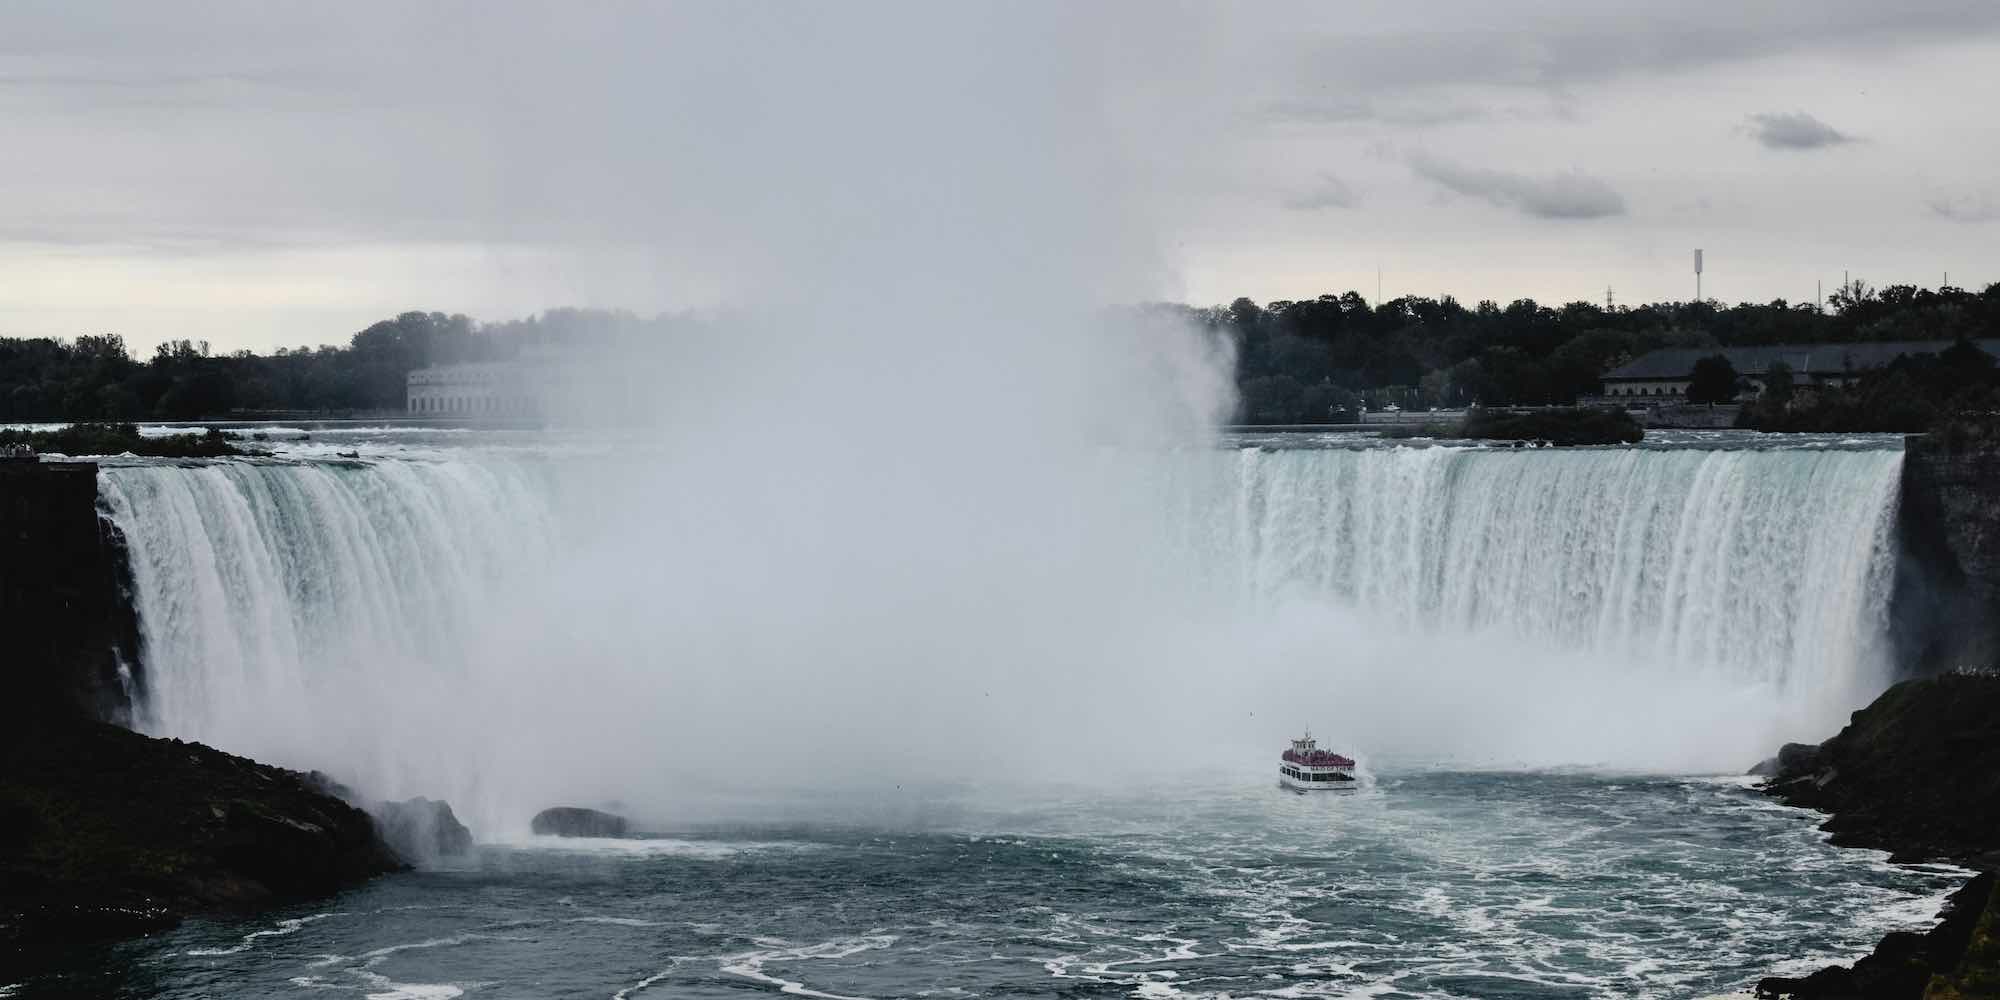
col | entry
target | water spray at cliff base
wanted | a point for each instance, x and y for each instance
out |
(917, 508)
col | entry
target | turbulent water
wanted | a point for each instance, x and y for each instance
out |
(334, 606)
(1432, 884)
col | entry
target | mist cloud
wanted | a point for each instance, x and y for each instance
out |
(1795, 130)
(1965, 208)
(1328, 191)
(1568, 195)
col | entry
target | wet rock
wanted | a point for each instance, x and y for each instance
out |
(421, 830)
(109, 833)
(1795, 758)
(1947, 599)
(573, 821)
(1905, 963)
(1916, 773)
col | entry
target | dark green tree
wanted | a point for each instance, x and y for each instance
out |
(1778, 384)
(1273, 399)
(1714, 381)
(1326, 403)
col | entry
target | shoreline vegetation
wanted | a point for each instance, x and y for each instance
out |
(1913, 394)
(1572, 426)
(124, 439)
(1317, 361)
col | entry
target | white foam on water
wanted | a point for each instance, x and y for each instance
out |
(618, 921)
(644, 984)
(284, 927)
(645, 847)
(750, 965)
(382, 987)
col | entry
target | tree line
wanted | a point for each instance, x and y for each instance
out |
(1319, 360)
(94, 377)
(1912, 394)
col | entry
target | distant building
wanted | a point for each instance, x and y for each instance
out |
(472, 389)
(1665, 374)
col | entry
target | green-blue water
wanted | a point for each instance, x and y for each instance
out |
(1425, 884)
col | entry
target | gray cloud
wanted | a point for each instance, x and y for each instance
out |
(1327, 191)
(1568, 195)
(1965, 208)
(1794, 130)
(1567, 42)
(1342, 111)
(236, 140)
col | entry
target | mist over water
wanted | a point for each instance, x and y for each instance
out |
(911, 506)
(510, 627)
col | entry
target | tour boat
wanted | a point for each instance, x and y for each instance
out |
(1306, 768)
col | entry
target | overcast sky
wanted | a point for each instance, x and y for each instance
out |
(265, 174)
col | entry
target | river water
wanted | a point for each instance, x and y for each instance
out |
(1425, 884)
(1548, 662)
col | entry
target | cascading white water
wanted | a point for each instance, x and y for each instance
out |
(426, 626)
(263, 586)
(1771, 565)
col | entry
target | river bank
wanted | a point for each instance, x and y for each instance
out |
(1916, 773)
(107, 833)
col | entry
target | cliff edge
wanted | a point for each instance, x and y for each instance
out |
(1916, 773)
(105, 832)
(1947, 602)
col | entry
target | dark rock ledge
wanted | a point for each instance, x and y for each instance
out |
(107, 833)
(1916, 773)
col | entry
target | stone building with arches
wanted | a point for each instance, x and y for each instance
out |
(472, 389)
(1662, 376)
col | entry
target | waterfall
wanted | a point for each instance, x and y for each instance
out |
(1772, 565)
(262, 587)
(420, 624)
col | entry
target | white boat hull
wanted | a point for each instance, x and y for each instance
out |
(1345, 784)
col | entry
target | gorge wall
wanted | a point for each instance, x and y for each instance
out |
(274, 604)
(67, 626)
(1948, 583)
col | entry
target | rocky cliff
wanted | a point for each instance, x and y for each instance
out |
(1916, 773)
(68, 635)
(1948, 584)
(104, 832)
